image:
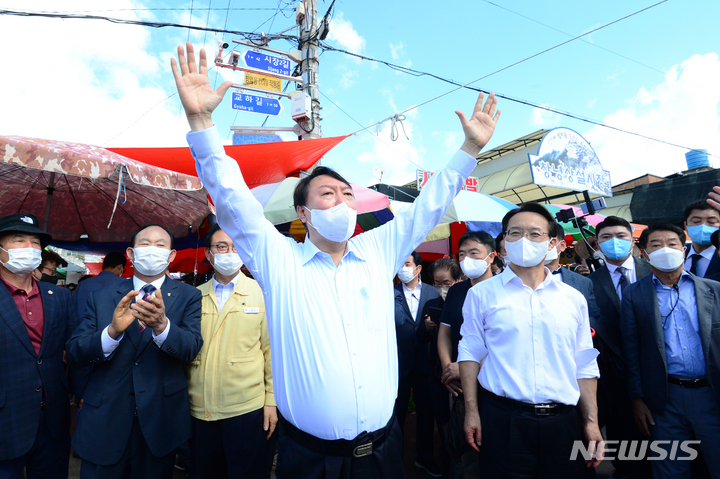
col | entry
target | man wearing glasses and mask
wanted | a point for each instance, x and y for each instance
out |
(539, 373)
(230, 381)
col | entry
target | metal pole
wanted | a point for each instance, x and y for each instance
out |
(309, 68)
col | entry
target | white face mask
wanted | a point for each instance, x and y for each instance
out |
(506, 259)
(473, 267)
(443, 292)
(551, 256)
(150, 260)
(227, 264)
(666, 259)
(22, 261)
(336, 224)
(406, 274)
(526, 253)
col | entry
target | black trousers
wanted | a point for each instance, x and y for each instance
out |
(229, 448)
(518, 444)
(48, 458)
(136, 462)
(419, 383)
(298, 462)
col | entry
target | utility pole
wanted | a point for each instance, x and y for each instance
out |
(309, 68)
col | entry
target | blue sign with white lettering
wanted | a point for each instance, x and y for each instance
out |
(254, 139)
(256, 104)
(268, 63)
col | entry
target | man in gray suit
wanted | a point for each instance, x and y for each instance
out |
(670, 337)
(621, 269)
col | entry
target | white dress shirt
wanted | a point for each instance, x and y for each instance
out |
(412, 296)
(223, 291)
(109, 344)
(629, 264)
(704, 261)
(536, 344)
(332, 328)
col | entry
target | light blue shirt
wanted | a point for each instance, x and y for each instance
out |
(109, 344)
(332, 328)
(681, 328)
(223, 291)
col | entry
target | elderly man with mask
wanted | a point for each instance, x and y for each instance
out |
(230, 381)
(35, 321)
(138, 335)
(329, 299)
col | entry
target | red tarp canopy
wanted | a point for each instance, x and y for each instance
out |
(260, 163)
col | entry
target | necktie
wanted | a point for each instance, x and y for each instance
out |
(148, 291)
(557, 271)
(624, 279)
(695, 260)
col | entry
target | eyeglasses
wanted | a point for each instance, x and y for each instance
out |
(222, 247)
(514, 234)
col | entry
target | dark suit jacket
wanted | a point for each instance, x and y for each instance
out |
(409, 348)
(430, 338)
(24, 374)
(713, 268)
(137, 374)
(643, 340)
(105, 279)
(608, 327)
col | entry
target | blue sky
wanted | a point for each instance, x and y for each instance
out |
(656, 73)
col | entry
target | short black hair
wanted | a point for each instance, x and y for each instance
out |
(482, 237)
(612, 221)
(536, 208)
(645, 236)
(51, 256)
(416, 258)
(446, 264)
(698, 205)
(301, 189)
(143, 228)
(209, 235)
(560, 232)
(498, 240)
(114, 259)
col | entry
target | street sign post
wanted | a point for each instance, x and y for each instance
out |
(256, 104)
(268, 63)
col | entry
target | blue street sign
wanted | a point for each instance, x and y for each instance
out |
(253, 139)
(256, 104)
(268, 63)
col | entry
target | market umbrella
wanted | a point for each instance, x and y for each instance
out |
(570, 229)
(278, 204)
(84, 191)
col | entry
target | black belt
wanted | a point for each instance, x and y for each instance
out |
(363, 445)
(546, 409)
(688, 383)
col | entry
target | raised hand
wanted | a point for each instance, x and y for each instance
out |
(196, 94)
(714, 199)
(122, 316)
(481, 125)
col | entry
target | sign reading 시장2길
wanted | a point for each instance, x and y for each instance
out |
(566, 160)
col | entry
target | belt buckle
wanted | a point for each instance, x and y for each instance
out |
(542, 409)
(363, 450)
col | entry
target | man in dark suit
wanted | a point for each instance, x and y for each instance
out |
(136, 409)
(701, 221)
(113, 267)
(621, 269)
(670, 337)
(36, 320)
(413, 358)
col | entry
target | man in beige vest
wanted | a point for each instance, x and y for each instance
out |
(230, 381)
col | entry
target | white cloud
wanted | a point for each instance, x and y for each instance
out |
(681, 110)
(90, 82)
(543, 118)
(396, 50)
(342, 31)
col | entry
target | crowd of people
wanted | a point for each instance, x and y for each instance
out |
(517, 360)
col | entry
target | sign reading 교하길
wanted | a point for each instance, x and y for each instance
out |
(256, 104)
(566, 160)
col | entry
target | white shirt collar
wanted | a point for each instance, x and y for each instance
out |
(707, 253)
(417, 286)
(629, 264)
(138, 283)
(233, 282)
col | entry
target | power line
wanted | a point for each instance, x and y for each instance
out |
(150, 10)
(247, 35)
